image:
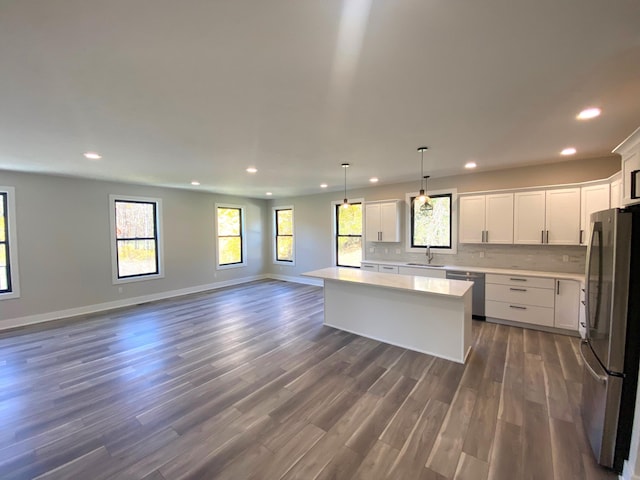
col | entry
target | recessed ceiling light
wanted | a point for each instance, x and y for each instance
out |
(195, 183)
(470, 165)
(588, 113)
(92, 155)
(268, 194)
(252, 169)
(568, 151)
(374, 180)
(323, 185)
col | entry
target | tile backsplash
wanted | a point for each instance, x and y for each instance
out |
(549, 258)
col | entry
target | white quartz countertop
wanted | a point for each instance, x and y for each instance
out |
(500, 271)
(433, 286)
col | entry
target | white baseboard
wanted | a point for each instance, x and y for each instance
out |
(127, 302)
(317, 282)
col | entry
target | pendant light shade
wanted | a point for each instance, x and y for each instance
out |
(423, 201)
(345, 202)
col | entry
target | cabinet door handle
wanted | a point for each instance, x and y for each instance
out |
(634, 182)
(518, 279)
(486, 236)
(518, 289)
(558, 287)
(517, 307)
(547, 236)
(581, 232)
(541, 236)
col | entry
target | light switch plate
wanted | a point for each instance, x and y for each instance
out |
(481, 254)
(565, 258)
(398, 251)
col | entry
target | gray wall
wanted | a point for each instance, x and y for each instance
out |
(313, 217)
(64, 242)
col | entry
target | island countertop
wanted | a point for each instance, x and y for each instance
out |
(433, 286)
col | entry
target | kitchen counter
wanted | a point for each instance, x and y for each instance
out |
(433, 286)
(428, 315)
(502, 271)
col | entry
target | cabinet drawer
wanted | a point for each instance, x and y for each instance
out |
(520, 294)
(372, 267)
(520, 313)
(520, 280)
(388, 269)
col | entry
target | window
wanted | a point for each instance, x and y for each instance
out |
(135, 233)
(230, 228)
(283, 227)
(432, 227)
(349, 235)
(8, 246)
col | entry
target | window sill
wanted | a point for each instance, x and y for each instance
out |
(118, 281)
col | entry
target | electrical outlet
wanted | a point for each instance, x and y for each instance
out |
(372, 250)
(386, 250)
(565, 258)
(481, 254)
(120, 289)
(398, 251)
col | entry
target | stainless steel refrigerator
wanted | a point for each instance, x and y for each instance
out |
(611, 344)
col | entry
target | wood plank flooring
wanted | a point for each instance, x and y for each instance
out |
(246, 383)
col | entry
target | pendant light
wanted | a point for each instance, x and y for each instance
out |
(345, 202)
(423, 201)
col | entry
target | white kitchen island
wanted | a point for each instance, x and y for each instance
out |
(428, 315)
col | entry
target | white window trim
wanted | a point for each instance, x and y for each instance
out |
(13, 244)
(243, 234)
(114, 247)
(334, 232)
(275, 233)
(454, 222)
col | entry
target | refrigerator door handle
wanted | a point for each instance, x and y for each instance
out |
(587, 293)
(594, 374)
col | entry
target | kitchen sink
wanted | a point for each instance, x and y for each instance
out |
(425, 265)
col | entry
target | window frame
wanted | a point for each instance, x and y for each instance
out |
(453, 226)
(335, 205)
(243, 243)
(11, 240)
(157, 202)
(275, 211)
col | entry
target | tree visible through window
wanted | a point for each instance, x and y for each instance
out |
(5, 267)
(284, 234)
(349, 235)
(136, 238)
(229, 235)
(432, 227)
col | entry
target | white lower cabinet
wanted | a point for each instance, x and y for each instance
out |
(520, 299)
(534, 300)
(567, 310)
(388, 269)
(423, 272)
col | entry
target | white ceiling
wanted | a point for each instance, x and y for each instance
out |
(173, 91)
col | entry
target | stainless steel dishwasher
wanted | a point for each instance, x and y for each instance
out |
(477, 306)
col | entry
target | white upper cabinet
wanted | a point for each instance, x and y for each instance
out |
(486, 218)
(593, 199)
(528, 217)
(382, 221)
(499, 218)
(472, 213)
(563, 216)
(629, 150)
(547, 217)
(615, 200)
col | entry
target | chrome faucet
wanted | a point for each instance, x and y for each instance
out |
(429, 254)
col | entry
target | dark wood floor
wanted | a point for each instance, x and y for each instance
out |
(246, 383)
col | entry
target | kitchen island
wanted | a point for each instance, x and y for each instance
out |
(428, 315)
